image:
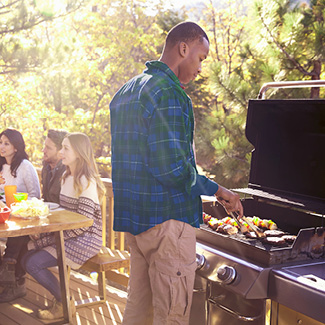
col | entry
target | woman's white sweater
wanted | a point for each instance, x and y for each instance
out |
(27, 179)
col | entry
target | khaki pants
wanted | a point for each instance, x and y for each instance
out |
(162, 275)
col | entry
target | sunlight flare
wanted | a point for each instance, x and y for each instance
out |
(24, 309)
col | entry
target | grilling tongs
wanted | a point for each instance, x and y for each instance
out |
(256, 230)
(252, 227)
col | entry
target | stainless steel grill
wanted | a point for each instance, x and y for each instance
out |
(236, 275)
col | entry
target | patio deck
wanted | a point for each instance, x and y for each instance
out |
(22, 310)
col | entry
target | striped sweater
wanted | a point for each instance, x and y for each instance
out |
(83, 243)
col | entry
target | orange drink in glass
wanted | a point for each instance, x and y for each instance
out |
(9, 194)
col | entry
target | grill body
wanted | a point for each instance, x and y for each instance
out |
(287, 185)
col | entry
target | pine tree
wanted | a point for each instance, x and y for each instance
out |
(270, 40)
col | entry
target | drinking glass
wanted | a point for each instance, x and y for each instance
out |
(9, 194)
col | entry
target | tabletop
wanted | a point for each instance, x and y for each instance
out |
(57, 220)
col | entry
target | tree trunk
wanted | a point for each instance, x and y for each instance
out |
(314, 93)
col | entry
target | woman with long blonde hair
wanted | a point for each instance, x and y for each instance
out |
(81, 191)
(84, 165)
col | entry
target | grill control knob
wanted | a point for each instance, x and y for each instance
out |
(226, 274)
(200, 261)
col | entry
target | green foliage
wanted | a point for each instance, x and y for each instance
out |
(293, 39)
(272, 41)
(60, 65)
(228, 151)
(19, 47)
(80, 61)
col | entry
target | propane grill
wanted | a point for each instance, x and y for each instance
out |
(286, 185)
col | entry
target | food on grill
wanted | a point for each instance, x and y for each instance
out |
(274, 233)
(263, 223)
(230, 221)
(254, 228)
(214, 223)
(226, 220)
(251, 234)
(229, 226)
(206, 217)
(275, 241)
(289, 238)
(226, 225)
(227, 229)
(244, 227)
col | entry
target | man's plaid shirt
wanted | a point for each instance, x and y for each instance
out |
(153, 166)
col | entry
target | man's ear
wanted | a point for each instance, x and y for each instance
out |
(183, 49)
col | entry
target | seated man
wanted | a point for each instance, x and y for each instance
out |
(11, 272)
(52, 166)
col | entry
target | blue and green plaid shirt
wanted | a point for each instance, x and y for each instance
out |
(153, 166)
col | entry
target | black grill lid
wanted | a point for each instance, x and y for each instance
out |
(288, 162)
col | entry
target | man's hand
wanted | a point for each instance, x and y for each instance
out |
(230, 200)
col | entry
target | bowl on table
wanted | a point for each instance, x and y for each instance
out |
(18, 197)
(4, 214)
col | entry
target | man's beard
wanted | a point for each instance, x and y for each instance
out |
(50, 160)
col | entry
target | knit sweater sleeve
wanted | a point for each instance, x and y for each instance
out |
(30, 179)
(26, 179)
(87, 205)
(88, 208)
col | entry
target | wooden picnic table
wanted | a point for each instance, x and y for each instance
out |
(56, 222)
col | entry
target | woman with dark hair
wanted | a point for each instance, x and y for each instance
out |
(15, 169)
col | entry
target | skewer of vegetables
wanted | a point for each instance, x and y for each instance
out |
(226, 225)
(263, 223)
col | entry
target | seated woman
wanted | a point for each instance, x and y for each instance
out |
(81, 192)
(15, 169)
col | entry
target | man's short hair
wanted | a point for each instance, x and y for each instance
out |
(57, 136)
(185, 32)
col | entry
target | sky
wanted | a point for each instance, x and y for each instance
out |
(176, 4)
(50, 6)
(181, 3)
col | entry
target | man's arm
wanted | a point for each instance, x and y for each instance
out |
(169, 145)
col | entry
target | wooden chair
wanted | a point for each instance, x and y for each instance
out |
(106, 261)
(109, 260)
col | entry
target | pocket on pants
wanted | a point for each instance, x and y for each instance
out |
(173, 290)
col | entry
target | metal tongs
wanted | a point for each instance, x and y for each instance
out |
(259, 233)
(242, 227)
(252, 227)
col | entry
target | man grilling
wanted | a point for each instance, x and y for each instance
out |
(156, 184)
